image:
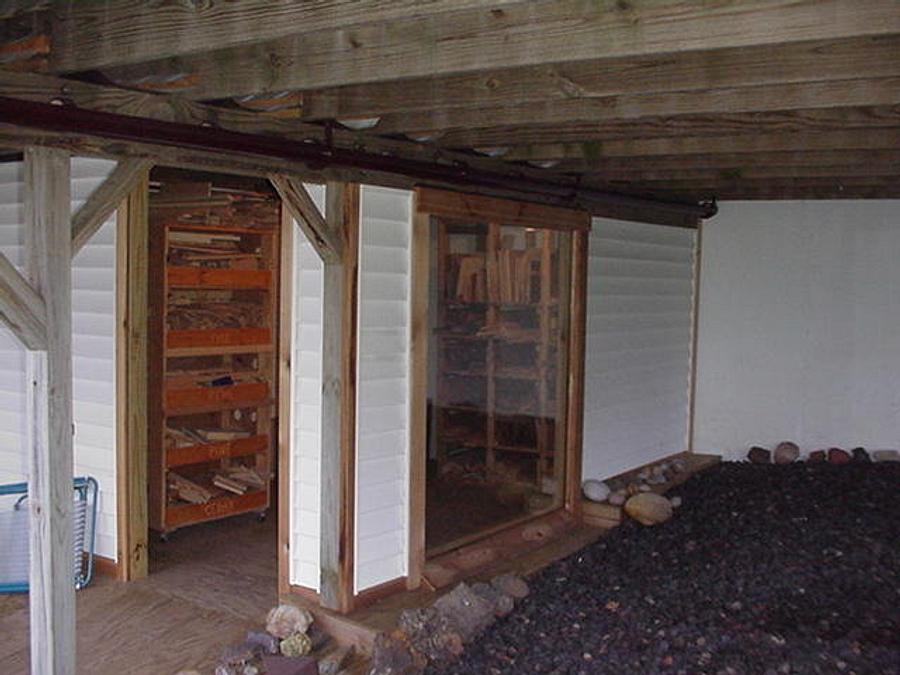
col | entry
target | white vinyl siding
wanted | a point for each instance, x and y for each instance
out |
(638, 348)
(306, 407)
(382, 436)
(13, 455)
(93, 348)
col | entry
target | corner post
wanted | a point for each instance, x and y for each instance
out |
(339, 339)
(49, 267)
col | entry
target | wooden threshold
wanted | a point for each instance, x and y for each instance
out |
(481, 535)
(447, 569)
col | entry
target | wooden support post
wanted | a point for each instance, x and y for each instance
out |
(132, 236)
(49, 267)
(103, 201)
(418, 393)
(285, 387)
(575, 398)
(339, 339)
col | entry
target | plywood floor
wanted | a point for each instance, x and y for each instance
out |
(208, 585)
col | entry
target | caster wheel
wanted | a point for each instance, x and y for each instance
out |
(261, 516)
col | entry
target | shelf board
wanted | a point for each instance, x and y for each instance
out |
(517, 449)
(192, 400)
(216, 229)
(178, 515)
(217, 278)
(208, 452)
(211, 341)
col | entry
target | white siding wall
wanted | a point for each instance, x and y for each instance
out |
(13, 458)
(799, 324)
(306, 406)
(93, 348)
(637, 362)
(382, 465)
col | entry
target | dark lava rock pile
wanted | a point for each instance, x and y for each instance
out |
(765, 569)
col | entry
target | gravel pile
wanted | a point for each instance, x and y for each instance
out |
(765, 569)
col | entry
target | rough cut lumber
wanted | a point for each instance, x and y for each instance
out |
(49, 404)
(520, 34)
(104, 200)
(97, 35)
(339, 337)
(815, 61)
(21, 307)
(132, 240)
(418, 391)
(776, 142)
(801, 96)
(747, 125)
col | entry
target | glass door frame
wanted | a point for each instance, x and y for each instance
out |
(489, 210)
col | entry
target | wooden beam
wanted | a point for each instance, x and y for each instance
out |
(22, 308)
(394, 157)
(46, 89)
(733, 187)
(814, 61)
(738, 173)
(132, 377)
(572, 157)
(301, 206)
(96, 35)
(686, 146)
(769, 98)
(418, 391)
(520, 34)
(744, 124)
(101, 203)
(339, 337)
(49, 264)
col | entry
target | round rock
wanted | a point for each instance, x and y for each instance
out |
(595, 490)
(759, 455)
(786, 452)
(838, 456)
(649, 508)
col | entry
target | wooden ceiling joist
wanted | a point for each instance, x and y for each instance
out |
(625, 166)
(736, 124)
(476, 39)
(90, 35)
(623, 110)
(599, 152)
(817, 61)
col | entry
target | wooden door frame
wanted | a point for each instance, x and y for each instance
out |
(132, 343)
(429, 202)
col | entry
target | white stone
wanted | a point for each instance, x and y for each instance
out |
(595, 490)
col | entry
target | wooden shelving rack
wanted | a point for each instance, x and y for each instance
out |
(498, 348)
(213, 271)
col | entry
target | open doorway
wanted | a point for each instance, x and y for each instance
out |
(497, 375)
(214, 282)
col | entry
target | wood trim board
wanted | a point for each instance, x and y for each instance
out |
(132, 380)
(418, 394)
(505, 211)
